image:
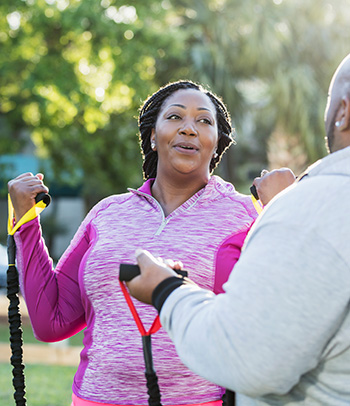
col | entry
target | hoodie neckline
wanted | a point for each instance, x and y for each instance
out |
(211, 191)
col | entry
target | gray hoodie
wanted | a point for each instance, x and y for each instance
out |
(280, 335)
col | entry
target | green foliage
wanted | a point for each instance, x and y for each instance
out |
(272, 62)
(73, 74)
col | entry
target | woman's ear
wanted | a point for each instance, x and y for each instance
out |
(215, 155)
(153, 140)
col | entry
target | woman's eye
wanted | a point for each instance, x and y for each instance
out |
(205, 121)
(173, 117)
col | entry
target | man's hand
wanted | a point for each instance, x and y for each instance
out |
(272, 183)
(23, 191)
(153, 272)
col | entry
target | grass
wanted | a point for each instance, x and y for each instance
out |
(45, 385)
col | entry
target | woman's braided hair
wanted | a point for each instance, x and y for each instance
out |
(149, 114)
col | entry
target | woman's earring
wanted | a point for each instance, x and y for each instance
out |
(337, 123)
(215, 155)
(153, 145)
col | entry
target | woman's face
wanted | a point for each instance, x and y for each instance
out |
(186, 133)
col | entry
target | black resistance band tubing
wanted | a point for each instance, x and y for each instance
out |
(14, 316)
(14, 319)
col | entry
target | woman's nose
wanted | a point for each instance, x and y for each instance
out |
(189, 128)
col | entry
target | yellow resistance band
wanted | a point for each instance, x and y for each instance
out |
(258, 206)
(30, 215)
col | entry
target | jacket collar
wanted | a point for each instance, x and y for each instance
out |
(213, 190)
(335, 163)
(146, 187)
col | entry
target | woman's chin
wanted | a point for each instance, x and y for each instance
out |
(185, 167)
(190, 172)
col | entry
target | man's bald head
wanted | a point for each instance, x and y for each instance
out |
(337, 114)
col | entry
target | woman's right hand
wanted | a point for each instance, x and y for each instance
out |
(23, 191)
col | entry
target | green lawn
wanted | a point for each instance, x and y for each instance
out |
(45, 385)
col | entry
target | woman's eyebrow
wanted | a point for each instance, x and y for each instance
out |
(184, 107)
(178, 105)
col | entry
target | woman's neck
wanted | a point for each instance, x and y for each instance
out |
(171, 193)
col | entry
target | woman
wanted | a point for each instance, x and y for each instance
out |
(181, 212)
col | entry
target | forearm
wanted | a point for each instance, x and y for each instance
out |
(52, 298)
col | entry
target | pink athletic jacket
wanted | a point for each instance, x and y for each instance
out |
(205, 233)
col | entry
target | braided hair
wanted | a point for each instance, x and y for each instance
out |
(149, 113)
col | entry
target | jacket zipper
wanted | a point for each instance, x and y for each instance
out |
(164, 221)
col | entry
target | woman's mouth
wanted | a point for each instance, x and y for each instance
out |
(186, 148)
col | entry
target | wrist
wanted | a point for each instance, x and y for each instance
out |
(164, 289)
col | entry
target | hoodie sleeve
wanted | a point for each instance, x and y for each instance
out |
(52, 297)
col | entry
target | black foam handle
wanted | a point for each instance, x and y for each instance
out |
(46, 198)
(129, 271)
(254, 192)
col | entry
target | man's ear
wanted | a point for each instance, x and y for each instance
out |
(343, 116)
(346, 102)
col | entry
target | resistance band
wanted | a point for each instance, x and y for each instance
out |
(14, 315)
(150, 374)
(255, 199)
(126, 273)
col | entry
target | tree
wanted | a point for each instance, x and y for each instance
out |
(74, 74)
(272, 62)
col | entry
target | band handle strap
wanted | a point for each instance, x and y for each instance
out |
(30, 215)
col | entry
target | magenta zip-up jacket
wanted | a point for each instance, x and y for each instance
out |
(206, 233)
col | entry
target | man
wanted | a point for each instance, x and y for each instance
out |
(280, 334)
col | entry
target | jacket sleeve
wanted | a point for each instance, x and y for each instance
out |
(52, 297)
(272, 324)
